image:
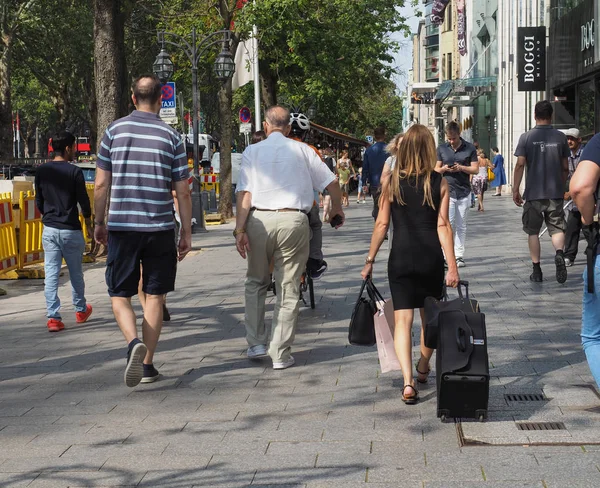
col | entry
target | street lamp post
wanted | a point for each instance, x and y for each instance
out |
(224, 68)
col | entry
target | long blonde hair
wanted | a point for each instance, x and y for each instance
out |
(415, 156)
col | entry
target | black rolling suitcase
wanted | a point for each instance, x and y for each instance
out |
(433, 308)
(462, 370)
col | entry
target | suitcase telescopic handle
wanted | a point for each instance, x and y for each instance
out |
(466, 285)
(461, 339)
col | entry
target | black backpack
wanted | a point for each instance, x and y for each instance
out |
(329, 163)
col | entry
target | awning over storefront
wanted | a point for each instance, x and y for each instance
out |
(338, 135)
(463, 92)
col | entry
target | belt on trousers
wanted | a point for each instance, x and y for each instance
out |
(278, 210)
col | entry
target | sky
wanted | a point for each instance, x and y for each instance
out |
(404, 56)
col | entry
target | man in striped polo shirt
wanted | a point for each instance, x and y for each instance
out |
(141, 159)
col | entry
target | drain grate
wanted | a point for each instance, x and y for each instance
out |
(541, 426)
(525, 397)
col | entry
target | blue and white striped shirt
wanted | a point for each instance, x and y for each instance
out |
(145, 156)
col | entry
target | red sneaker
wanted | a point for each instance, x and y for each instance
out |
(55, 325)
(81, 317)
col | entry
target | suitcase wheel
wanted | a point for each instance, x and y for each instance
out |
(481, 415)
(443, 417)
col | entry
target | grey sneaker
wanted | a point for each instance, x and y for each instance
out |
(568, 262)
(258, 351)
(284, 364)
(460, 262)
(134, 371)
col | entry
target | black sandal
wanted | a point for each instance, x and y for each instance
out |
(420, 374)
(410, 400)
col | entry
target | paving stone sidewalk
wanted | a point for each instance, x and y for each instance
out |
(217, 419)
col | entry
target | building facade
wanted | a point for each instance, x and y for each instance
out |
(515, 108)
(574, 79)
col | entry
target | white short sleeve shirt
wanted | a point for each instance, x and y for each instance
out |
(282, 173)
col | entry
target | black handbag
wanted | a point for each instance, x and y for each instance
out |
(362, 322)
(433, 307)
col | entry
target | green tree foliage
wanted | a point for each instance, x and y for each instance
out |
(330, 55)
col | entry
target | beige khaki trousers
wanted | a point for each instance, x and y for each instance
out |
(285, 237)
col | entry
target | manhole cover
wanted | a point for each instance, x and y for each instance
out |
(541, 426)
(525, 397)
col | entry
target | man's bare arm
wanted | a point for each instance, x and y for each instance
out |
(583, 187)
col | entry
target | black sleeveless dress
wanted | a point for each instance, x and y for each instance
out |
(416, 263)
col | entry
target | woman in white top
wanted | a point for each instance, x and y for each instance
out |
(479, 182)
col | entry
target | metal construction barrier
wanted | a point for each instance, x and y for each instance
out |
(9, 256)
(210, 182)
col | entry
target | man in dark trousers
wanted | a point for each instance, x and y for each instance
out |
(59, 188)
(140, 161)
(544, 151)
(574, 220)
(373, 162)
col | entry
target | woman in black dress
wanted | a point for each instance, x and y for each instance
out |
(417, 199)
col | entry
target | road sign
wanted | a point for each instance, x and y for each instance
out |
(245, 128)
(170, 120)
(245, 115)
(168, 112)
(168, 95)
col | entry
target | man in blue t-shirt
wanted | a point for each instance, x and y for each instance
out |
(583, 188)
(373, 162)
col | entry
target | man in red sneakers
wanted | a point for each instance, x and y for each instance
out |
(59, 187)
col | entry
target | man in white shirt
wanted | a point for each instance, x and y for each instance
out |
(275, 192)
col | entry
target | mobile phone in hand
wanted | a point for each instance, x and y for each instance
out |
(337, 220)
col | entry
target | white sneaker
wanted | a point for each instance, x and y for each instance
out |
(284, 364)
(258, 351)
(460, 263)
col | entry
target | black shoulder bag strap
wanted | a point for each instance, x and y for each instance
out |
(592, 236)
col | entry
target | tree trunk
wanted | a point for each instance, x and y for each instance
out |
(6, 136)
(109, 52)
(225, 114)
(269, 88)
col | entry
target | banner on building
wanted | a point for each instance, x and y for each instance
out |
(461, 26)
(531, 58)
(437, 11)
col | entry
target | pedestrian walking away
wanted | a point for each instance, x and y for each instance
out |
(544, 151)
(584, 190)
(141, 159)
(59, 188)
(275, 193)
(499, 173)
(573, 231)
(479, 182)
(416, 198)
(457, 161)
(373, 164)
(316, 266)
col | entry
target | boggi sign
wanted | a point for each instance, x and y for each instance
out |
(531, 58)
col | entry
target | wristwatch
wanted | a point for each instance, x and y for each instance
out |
(238, 231)
(369, 260)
